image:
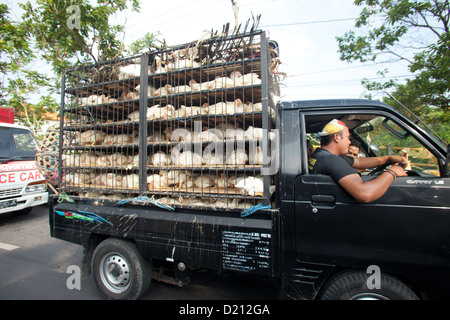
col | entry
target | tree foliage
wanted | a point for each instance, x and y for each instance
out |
(21, 80)
(71, 32)
(411, 31)
(61, 34)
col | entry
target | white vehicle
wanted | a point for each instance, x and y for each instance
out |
(22, 184)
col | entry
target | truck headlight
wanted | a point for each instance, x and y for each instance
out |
(41, 187)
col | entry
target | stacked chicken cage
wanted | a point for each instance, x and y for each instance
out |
(183, 126)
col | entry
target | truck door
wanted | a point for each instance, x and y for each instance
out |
(404, 232)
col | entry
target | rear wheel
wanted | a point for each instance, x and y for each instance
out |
(352, 285)
(120, 272)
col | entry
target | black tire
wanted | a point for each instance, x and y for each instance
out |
(119, 270)
(352, 285)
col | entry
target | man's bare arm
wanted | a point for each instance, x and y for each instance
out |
(369, 191)
(372, 162)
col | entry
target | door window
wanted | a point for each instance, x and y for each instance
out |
(382, 136)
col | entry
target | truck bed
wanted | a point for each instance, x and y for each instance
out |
(201, 238)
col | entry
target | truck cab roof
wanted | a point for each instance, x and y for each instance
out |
(10, 125)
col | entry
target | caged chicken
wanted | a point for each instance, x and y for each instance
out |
(91, 137)
(130, 181)
(160, 159)
(238, 158)
(251, 186)
(157, 181)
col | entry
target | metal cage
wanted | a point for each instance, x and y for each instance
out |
(184, 126)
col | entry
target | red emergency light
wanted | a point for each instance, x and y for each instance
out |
(7, 115)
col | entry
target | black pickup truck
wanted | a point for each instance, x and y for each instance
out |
(317, 235)
(299, 228)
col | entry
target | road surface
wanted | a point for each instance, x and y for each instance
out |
(34, 267)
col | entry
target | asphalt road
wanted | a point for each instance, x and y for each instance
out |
(34, 267)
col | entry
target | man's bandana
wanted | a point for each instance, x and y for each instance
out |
(334, 126)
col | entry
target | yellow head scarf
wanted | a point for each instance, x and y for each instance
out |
(334, 126)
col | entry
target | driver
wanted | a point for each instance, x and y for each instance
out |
(330, 159)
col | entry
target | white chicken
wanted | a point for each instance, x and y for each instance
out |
(134, 116)
(159, 67)
(253, 107)
(258, 157)
(164, 91)
(235, 134)
(195, 86)
(156, 137)
(246, 79)
(82, 101)
(108, 140)
(190, 111)
(118, 139)
(253, 133)
(159, 112)
(157, 181)
(122, 139)
(251, 186)
(76, 178)
(71, 160)
(176, 64)
(94, 100)
(180, 134)
(221, 83)
(226, 107)
(91, 137)
(238, 157)
(130, 181)
(104, 161)
(160, 159)
(213, 159)
(186, 158)
(110, 180)
(129, 95)
(120, 160)
(151, 91)
(251, 79)
(204, 181)
(181, 89)
(129, 71)
(178, 178)
(211, 135)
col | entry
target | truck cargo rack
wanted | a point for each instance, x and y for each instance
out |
(187, 126)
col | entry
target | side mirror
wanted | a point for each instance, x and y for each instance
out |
(374, 148)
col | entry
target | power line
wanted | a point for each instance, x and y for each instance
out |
(308, 22)
(337, 83)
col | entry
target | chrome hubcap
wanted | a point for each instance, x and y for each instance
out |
(115, 273)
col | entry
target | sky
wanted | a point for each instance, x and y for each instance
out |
(305, 31)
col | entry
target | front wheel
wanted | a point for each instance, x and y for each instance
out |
(352, 285)
(120, 272)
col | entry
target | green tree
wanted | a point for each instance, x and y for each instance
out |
(63, 34)
(72, 32)
(21, 80)
(412, 31)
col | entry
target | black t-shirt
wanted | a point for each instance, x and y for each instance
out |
(324, 162)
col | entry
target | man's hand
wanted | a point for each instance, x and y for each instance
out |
(402, 161)
(399, 171)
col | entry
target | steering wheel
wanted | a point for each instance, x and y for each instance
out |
(378, 169)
